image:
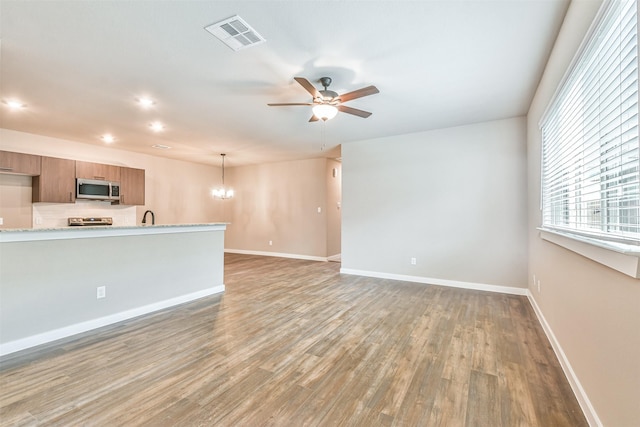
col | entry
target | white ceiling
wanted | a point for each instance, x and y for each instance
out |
(79, 66)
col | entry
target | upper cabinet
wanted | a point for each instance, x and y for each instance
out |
(18, 163)
(131, 180)
(131, 186)
(56, 182)
(88, 170)
(54, 179)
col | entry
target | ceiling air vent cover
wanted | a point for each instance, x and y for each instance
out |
(235, 33)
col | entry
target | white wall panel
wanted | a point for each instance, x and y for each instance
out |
(454, 199)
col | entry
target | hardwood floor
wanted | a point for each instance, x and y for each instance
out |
(294, 343)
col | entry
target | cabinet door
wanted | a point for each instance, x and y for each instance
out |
(131, 186)
(19, 163)
(57, 181)
(88, 170)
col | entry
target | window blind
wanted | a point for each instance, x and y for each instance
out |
(590, 148)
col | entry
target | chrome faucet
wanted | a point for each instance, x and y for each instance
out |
(153, 218)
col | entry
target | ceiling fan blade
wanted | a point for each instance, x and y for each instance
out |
(365, 91)
(313, 119)
(308, 86)
(289, 103)
(354, 111)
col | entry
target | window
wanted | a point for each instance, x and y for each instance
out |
(590, 148)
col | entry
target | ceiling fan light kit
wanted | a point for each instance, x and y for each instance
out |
(326, 103)
(324, 111)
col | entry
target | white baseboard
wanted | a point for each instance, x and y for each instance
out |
(336, 257)
(583, 400)
(67, 331)
(276, 254)
(441, 282)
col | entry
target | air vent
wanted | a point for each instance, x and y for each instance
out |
(235, 33)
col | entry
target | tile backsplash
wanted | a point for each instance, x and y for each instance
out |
(54, 215)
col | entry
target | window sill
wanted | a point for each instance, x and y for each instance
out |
(618, 256)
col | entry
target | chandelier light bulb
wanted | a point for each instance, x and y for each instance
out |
(221, 193)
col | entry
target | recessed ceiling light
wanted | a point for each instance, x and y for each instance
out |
(160, 146)
(156, 126)
(145, 102)
(14, 104)
(108, 138)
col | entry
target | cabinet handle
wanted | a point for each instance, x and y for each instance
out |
(4, 168)
(70, 196)
(99, 177)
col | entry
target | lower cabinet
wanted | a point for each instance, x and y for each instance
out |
(56, 182)
(131, 186)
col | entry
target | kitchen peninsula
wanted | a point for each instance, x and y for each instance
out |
(82, 278)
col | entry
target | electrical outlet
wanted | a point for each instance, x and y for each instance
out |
(1, 221)
(101, 292)
(319, 209)
(413, 261)
(270, 242)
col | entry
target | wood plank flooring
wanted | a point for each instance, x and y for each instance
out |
(294, 343)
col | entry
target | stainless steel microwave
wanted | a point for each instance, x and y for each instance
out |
(94, 189)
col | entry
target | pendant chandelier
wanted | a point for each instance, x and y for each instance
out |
(222, 192)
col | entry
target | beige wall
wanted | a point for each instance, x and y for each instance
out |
(279, 202)
(454, 199)
(334, 210)
(593, 311)
(178, 192)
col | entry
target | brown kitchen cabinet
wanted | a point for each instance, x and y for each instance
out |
(19, 163)
(89, 170)
(56, 182)
(131, 186)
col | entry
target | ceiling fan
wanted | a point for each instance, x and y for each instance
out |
(326, 103)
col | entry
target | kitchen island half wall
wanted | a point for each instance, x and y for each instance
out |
(51, 279)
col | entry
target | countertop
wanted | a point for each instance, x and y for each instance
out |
(83, 232)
